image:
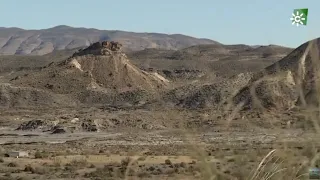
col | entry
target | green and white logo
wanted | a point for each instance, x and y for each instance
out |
(299, 17)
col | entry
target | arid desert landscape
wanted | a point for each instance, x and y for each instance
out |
(122, 105)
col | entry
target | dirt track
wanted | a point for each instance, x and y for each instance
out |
(157, 138)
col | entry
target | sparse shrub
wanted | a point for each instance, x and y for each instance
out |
(176, 165)
(144, 174)
(1, 160)
(28, 168)
(92, 166)
(114, 164)
(183, 164)
(125, 162)
(12, 164)
(142, 158)
(40, 170)
(168, 162)
(80, 163)
(7, 174)
(108, 171)
(169, 171)
(40, 155)
(131, 172)
(68, 152)
(56, 162)
(151, 168)
(177, 170)
(69, 167)
(23, 178)
(231, 160)
(159, 170)
(15, 171)
(309, 151)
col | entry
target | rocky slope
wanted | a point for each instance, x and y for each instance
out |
(210, 95)
(216, 52)
(100, 73)
(39, 42)
(223, 60)
(290, 82)
(287, 83)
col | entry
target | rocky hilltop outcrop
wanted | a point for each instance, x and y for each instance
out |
(100, 48)
(100, 73)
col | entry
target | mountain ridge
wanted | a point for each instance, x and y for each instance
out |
(14, 40)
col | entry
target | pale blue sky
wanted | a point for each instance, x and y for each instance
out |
(227, 21)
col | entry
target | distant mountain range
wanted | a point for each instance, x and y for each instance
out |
(39, 42)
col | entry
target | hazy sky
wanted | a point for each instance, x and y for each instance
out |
(227, 21)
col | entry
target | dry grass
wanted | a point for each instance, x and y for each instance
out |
(279, 169)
